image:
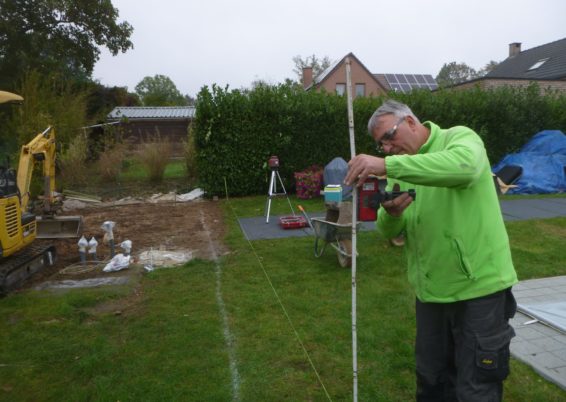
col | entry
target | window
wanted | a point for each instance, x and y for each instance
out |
(360, 89)
(538, 64)
(340, 89)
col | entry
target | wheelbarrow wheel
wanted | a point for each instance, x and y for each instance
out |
(345, 248)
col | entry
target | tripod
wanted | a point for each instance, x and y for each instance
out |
(273, 192)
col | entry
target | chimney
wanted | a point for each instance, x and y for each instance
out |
(514, 49)
(307, 76)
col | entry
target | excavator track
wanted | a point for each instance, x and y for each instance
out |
(16, 269)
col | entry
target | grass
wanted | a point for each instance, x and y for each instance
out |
(169, 344)
(135, 171)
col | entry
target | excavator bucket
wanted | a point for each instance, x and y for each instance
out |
(59, 227)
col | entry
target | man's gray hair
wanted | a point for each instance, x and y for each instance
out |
(390, 106)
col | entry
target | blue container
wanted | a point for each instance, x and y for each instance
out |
(333, 193)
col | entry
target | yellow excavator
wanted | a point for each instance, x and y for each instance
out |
(19, 227)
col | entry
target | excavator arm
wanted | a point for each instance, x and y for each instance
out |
(39, 150)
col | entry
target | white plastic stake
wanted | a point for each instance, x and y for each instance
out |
(354, 236)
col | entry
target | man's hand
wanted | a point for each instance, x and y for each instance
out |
(396, 206)
(363, 165)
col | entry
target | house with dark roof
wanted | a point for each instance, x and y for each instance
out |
(146, 124)
(364, 83)
(545, 65)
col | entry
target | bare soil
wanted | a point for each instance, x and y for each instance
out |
(195, 226)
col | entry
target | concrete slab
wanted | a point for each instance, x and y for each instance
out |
(540, 346)
(533, 208)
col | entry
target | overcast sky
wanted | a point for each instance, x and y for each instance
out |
(231, 42)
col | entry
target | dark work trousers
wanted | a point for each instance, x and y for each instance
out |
(462, 348)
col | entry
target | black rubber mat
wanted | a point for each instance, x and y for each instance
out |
(256, 229)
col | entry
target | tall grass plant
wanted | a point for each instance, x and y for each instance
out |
(155, 156)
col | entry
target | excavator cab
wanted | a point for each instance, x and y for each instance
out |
(19, 229)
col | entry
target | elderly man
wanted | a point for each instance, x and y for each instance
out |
(459, 260)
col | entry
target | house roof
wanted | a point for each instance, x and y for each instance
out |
(152, 113)
(322, 76)
(551, 60)
(388, 82)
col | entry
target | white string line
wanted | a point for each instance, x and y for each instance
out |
(280, 302)
(228, 337)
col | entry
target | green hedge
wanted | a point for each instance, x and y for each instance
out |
(236, 131)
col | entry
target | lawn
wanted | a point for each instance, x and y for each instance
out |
(266, 322)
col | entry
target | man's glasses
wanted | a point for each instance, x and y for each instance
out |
(389, 135)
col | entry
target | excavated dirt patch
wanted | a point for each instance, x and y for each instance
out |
(172, 226)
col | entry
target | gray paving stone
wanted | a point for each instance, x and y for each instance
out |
(560, 338)
(548, 331)
(528, 333)
(524, 348)
(547, 344)
(561, 354)
(561, 372)
(520, 295)
(547, 360)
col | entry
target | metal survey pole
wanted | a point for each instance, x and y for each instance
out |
(354, 224)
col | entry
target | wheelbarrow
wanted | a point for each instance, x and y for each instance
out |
(336, 230)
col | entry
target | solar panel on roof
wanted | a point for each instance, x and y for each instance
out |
(408, 82)
(420, 79)
(391, 78)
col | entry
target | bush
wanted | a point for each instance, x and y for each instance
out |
(109, 164)
(48, 101)
(154, 156)
(235, 132)
(308, 183)
(190, 154)
(74, 171)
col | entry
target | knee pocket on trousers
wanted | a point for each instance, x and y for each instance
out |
(492, 355)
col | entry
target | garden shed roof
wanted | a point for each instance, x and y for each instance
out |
(152, 113)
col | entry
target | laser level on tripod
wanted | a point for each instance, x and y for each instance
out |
(273, 164)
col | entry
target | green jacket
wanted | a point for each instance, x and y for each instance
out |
(456, 243)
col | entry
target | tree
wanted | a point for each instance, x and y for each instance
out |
(102, 99)
(190, 100)
(454, 73)
(318, 65)
(159, 90)
(488, 68)
(57, 36)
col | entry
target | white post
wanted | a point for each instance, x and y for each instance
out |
(354, 222)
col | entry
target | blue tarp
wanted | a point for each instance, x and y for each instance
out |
(543, 160)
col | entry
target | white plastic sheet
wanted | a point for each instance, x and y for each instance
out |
(119, 262)
(551, 313)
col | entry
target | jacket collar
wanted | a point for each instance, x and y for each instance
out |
(434, 131)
